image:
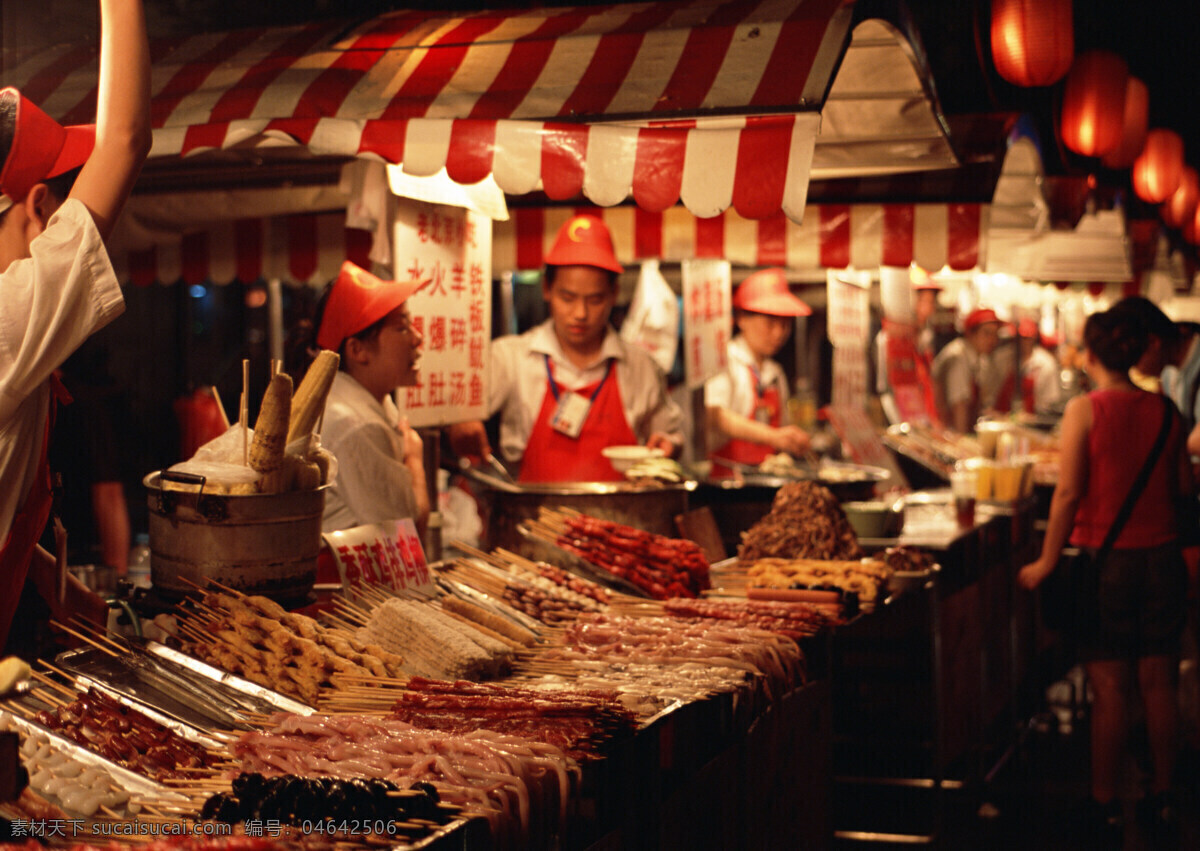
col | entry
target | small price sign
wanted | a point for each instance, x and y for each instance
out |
(384, 554)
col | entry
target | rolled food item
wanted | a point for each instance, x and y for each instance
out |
(270, 432)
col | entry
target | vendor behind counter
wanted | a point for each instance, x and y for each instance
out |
(745, 402)
(570, 387)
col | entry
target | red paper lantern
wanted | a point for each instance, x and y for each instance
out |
(1159, 169)
(1093, 110)
(1033, 41)
(1133, 132)
(1191, 228)
(1181, 206)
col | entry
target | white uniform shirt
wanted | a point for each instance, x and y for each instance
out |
(734, 388)
(958, 368)
(373, 484)
(1047, 387)
(518, 382)
(49, 304)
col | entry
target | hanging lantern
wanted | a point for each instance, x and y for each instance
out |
(1093, 110)
(1191, 228)
(1133, 132)
(1033, 41)
(1181, 206)
(1159, 169)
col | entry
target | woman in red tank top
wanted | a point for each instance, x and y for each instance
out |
(1131, 606)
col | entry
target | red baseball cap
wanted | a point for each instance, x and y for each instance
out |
(981, 316)
(41, 147)
(584, 241)
(767, 292)
(359, 299)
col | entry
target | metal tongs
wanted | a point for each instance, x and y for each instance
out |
(464, 463)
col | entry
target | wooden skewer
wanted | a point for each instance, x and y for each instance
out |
(82, 637)
(54, 684)
(244, 412)
(220, 406)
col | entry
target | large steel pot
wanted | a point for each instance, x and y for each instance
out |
(505, 505)
(259, 543)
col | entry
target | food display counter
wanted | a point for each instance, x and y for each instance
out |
(926, 690)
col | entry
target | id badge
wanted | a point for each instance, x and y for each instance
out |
(570, 415)
(762, 414)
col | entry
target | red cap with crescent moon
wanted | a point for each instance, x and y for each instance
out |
(584, 241)
(359, 299)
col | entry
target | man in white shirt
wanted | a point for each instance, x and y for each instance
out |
(57, 285)
(571, 386)
(970, 376)
(381, 467)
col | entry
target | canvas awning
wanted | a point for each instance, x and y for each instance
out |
(864, 236)
(716, 105)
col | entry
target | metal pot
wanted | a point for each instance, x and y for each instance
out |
(258, 543)
(505, 505)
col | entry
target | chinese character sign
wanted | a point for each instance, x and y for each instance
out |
(849, 308)
(849, 377)
(452, 249)
(707, 318)
(384, 554)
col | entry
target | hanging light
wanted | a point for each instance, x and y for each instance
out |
(1133, 132)
(1033, 41)
(1181, 206)
(1093, 110)
(1159, 169)
(1191, 228)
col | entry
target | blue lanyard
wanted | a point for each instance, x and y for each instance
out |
(595, 393)
(759, 387)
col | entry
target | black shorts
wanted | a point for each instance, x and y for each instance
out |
(1134, 606)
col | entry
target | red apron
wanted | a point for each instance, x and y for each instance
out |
(27, 524)
(551, 456)
(749, 452)
(909, 372)
(1027, 391)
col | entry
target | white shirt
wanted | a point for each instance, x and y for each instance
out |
(372, 484)
(517, 375)
(959, 368)
(1047, 388)
(734, 388)
(49, 304)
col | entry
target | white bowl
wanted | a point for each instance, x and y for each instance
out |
(624, 457)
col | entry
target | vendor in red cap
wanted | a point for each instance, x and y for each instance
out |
(1041, 386)
(970, 376)
(57, 286)
(381, 468)
(571, 386)
(745, 402)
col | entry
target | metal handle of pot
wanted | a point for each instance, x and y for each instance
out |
(182, 478)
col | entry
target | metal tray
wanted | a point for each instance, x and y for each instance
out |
(201, 697)
(134, 783)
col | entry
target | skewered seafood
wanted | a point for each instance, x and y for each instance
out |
(805, 521)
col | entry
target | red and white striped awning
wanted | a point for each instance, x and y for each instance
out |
(862, 236)
(715, 104)
(299, 249)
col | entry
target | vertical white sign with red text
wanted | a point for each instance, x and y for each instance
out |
(849, 328)
(451, 248)
(707, 318)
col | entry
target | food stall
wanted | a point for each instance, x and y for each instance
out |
(524, 100)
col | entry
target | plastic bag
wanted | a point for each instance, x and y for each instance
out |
(653, 318)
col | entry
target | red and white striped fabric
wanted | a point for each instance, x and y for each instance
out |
(531, 97)
(863, 236)
(298, 249)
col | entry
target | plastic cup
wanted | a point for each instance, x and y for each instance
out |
(964, 484)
